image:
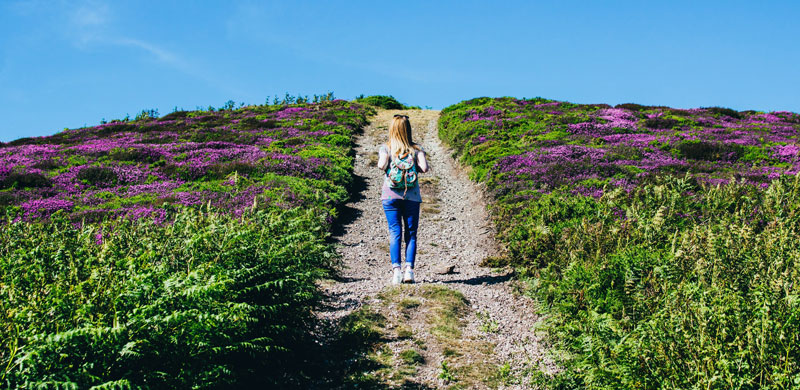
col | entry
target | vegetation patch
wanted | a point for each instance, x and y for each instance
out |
(173, 252)
(657, 245)
(240, 152)
(385, 102)
(412, 357)
(206, 301)
(440, 314)
(361, 356)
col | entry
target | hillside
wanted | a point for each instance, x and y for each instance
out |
(663, 242)
(561, 246)
(134, 168)
(171, 252)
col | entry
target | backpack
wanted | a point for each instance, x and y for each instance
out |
(402, 172)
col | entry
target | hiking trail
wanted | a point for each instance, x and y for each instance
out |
(485, 339)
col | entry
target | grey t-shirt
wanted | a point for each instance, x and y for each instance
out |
(412, 193)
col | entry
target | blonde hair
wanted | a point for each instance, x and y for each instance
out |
(400, 141)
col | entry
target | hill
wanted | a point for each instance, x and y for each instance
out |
(280, 154)
(171, 252)
(660, 246)
(663, 242)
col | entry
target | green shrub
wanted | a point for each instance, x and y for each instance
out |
(386, 102)
(632, 106)
(709, 151)
(210, 301)
(97, 175)
(724, 111)
(175, 115)
(25, 180)
(661, 123)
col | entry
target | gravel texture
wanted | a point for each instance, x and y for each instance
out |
(454, 231)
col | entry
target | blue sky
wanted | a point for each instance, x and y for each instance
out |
(66, 64)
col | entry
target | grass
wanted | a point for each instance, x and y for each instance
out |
(447, 351)
(184, 253)
(488, 324)
(408, 303)
(429, 181)
(428, 208)
(385, 102)
(404, 332)
(366, 360)
(655, 272)
(412, 357)
(363, 326)
(359, 359)
(207, 300)
(446, 373)
(442, 313)
(446, 306)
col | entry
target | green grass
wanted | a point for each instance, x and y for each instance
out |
(412, 357)
(197, 299)
(654, 301)
(488, 324)
(361, 358)
(676, 284)
(385, 102)
(408, 303)
(209, 301)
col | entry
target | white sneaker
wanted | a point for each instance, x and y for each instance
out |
(408, 276)
(397, 277)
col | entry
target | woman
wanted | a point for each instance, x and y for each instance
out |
(401, 205)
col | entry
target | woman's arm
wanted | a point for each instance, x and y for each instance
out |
(383, 159)
(422, 161)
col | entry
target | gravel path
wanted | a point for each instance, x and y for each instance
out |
(455, 230)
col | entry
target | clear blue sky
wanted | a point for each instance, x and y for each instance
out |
(72, 63)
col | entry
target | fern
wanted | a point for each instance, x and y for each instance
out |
(196, 303)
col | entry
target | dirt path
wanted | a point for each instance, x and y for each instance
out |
(490, 333)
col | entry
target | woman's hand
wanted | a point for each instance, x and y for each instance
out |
(422, 161)
(383, 159)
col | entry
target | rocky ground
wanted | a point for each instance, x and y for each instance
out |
(462, 324)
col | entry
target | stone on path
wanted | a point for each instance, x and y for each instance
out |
(444, 269)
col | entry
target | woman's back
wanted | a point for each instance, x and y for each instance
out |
(412, 193)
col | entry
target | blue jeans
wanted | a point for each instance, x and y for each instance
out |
(402, 214)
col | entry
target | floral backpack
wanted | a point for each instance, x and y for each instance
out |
(402, 172)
